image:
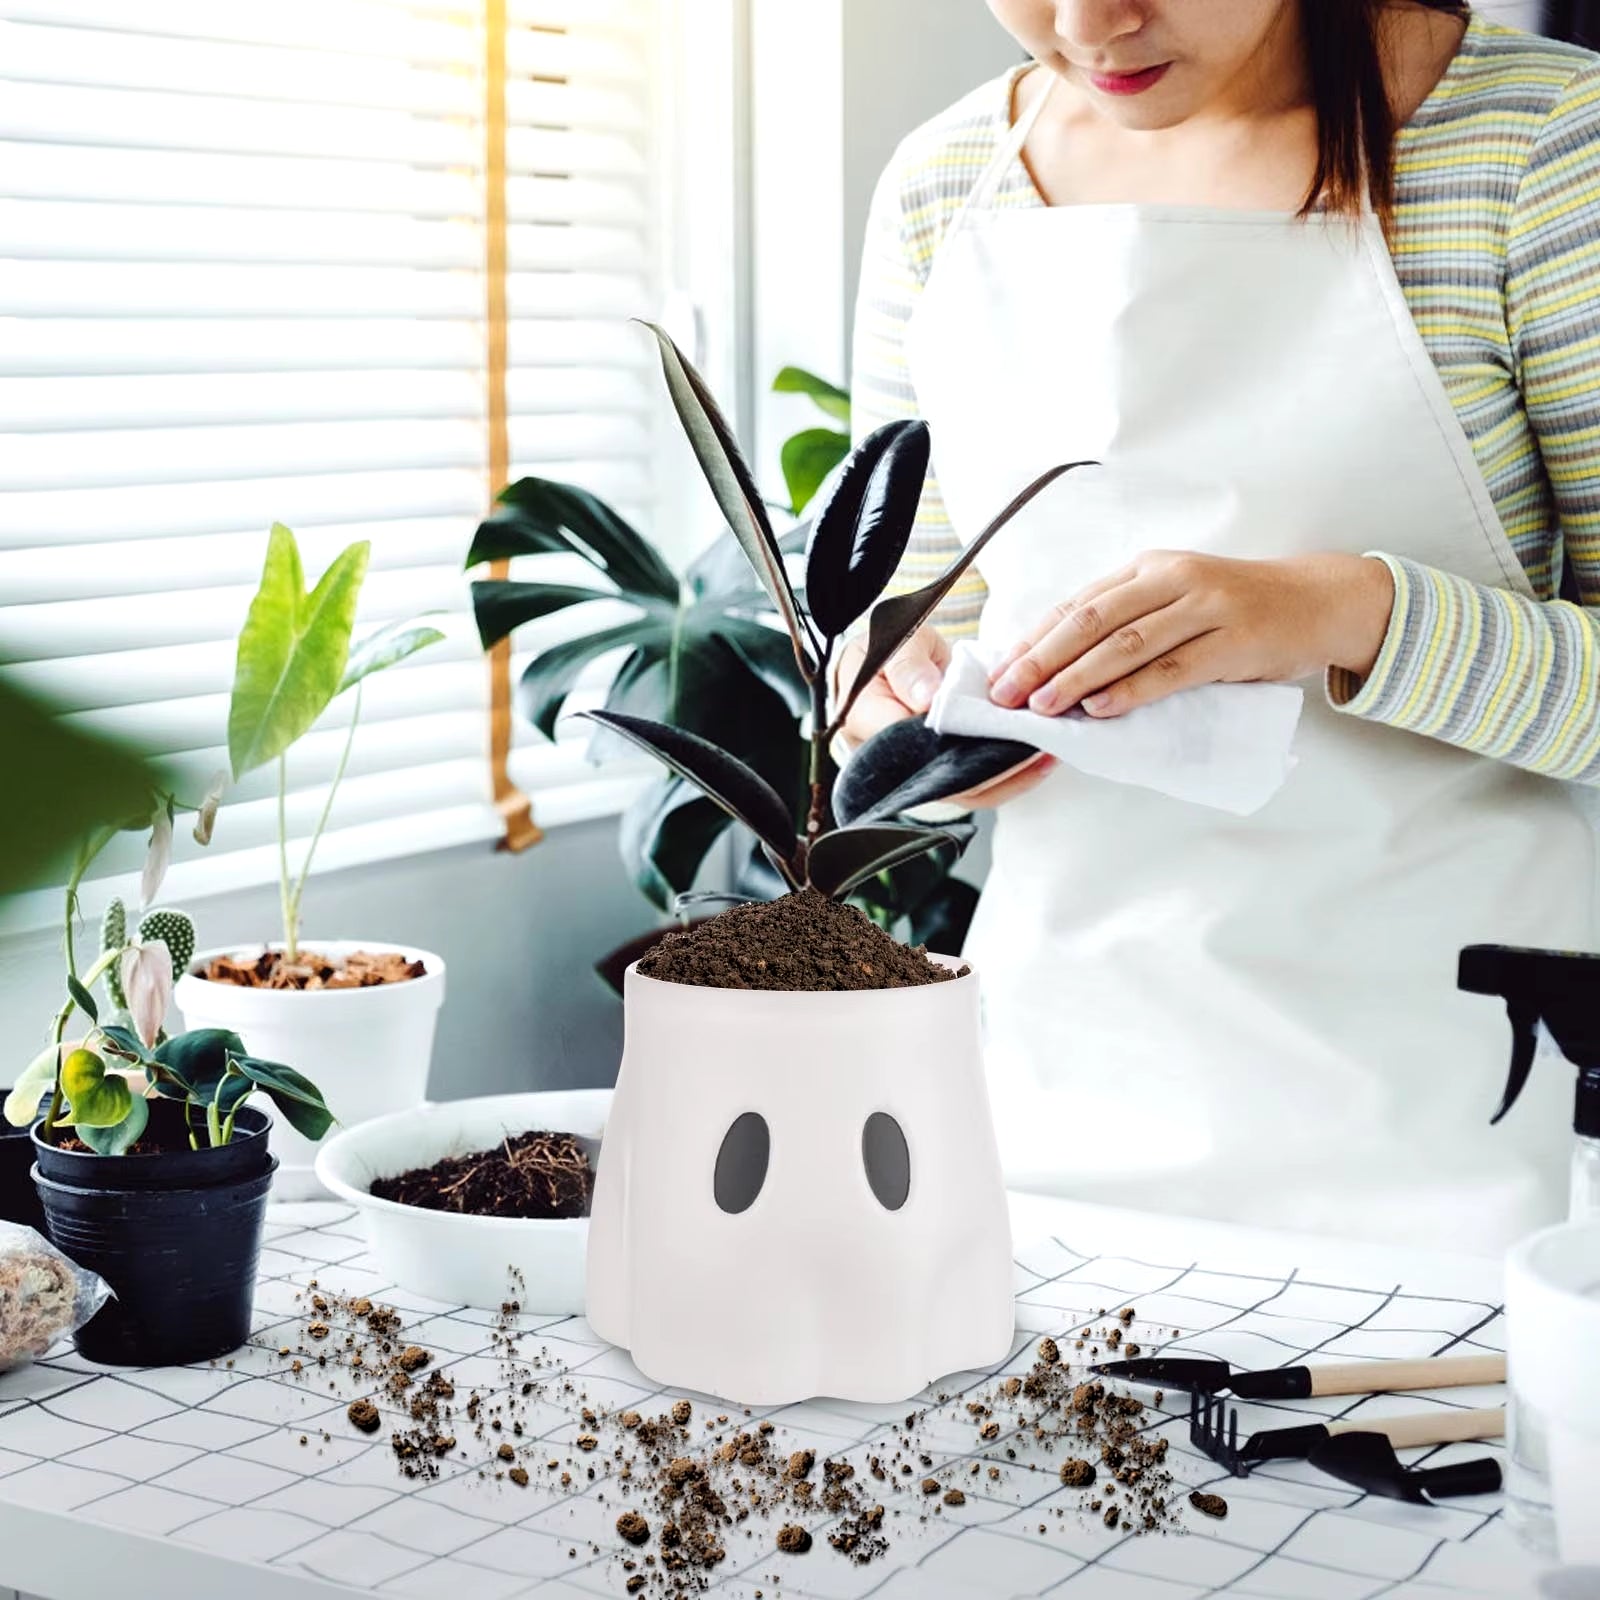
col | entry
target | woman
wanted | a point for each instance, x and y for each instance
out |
(1312, 280)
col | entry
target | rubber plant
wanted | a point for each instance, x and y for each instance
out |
(295, 658)
(857, 830)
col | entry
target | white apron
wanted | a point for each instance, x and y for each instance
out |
(1249, 1018)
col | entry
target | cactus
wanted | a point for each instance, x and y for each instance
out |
(113, 936)
(175, 930)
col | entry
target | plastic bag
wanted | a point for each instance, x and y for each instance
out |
(43, 1295)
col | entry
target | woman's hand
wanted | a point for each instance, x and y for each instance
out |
(1172, 620)
(905, 688)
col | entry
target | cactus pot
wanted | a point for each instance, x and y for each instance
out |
(176, 1235)
(367, 1050)
(799, 1194)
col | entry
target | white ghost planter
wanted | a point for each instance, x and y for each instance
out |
(799, 1194)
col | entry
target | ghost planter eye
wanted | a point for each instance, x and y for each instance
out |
(742, 1163)
(887, 1158)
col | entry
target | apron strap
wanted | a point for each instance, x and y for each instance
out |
(989, 180)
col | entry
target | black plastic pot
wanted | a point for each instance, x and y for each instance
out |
(19, 1200)
(176, 1236)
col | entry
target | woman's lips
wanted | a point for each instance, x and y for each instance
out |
(1129, 82)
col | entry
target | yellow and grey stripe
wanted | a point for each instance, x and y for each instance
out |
(1496, 243)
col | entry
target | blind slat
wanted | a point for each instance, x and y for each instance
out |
(69, 516)
(48, 405)
(107, 231)
(88, 345)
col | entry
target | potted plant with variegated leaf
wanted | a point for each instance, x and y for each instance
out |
(151, 1168)
(356, 1014)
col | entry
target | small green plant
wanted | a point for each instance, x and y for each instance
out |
(209, 1070)
(808, 457)
(295, 658)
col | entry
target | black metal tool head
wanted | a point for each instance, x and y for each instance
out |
(1368, 1461)
(1175, 1372)
(1214, 1429)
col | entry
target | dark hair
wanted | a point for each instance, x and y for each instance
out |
(1355, 119)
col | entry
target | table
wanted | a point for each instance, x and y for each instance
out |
(190, 1483)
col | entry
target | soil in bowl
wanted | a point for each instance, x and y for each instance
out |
(538, 1176)
(361, 969)
(804, 941)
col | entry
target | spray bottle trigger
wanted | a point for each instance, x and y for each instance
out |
(1524, 1046)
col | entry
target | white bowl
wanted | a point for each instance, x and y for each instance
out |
(465, 1261)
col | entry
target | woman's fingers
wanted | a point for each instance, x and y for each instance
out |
(1078, 626)
(916, 670)
(1195, 662)
(905, 687)
(1117, 656)
(1058, 614)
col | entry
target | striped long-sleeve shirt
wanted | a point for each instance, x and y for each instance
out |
(1496, 242)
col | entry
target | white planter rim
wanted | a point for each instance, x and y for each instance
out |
(661, 991)
(431, 979)
(336, 1150)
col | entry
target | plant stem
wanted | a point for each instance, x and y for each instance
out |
(819, 756)
(285, 903)
(322, 822)
(86, 854)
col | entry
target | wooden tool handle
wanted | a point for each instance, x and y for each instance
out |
(1389, 1377)
(1429, 1427)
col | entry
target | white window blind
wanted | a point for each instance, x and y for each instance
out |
(242, 280)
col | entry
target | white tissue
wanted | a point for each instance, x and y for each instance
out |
(1225, 745)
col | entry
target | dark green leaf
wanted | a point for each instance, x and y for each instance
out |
(296, 1097)
(665, 837)
(828, 396)
(500, 605)
(121, 1136)
(764, 651)
(807, 458)
(742, 792)
(83, 999)
(553, 674)
(862, 531)
(386, 648)
(65, 784)
(941, 920)
(197, 1060)
(847, 856)
(537, 516)
(121, 1040)
(733, 486)
(894, 620)
(908, 765)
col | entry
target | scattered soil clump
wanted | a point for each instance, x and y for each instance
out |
(361, 969)
(1210, 1505)
(531, 1175)
(804, 941)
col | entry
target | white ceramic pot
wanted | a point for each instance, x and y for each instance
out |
(366, 1049)
(845, 1259)
(464, 1261)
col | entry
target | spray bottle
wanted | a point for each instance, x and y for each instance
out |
(1561, 991)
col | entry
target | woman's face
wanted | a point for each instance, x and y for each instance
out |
(1155, 63)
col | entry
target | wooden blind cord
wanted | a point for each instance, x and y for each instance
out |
(515, 808)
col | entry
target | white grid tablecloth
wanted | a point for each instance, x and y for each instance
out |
(194, 1479)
